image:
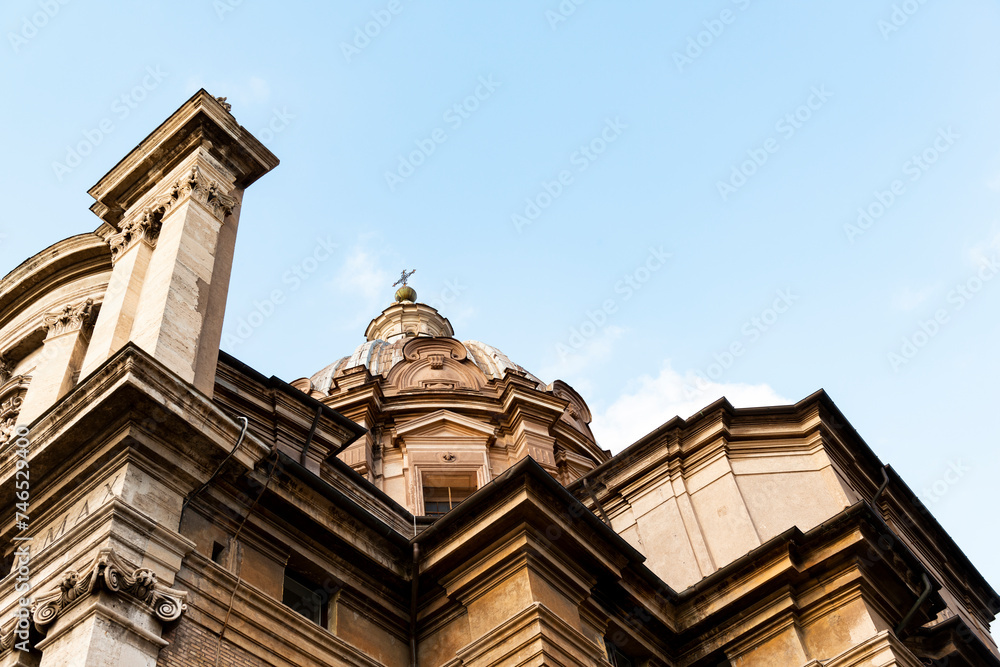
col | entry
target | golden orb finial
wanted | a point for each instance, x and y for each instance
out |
(405, 293)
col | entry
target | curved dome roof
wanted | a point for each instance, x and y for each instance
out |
(379, 356)
(398, 324)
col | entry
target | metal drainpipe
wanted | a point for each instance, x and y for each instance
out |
(881, 489)
(312, 432)
(928, 588)
(593, 496)
(413, 605)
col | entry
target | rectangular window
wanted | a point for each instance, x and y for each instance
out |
(439, 500)
(444, 491)
(615, 656)
(305, 597)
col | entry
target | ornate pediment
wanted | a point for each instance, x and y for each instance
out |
(435, 364)
(442, 424)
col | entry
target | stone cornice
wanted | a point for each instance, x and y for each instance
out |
(201, 123)
(68, 319)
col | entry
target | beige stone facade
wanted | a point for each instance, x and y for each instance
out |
(422, 500)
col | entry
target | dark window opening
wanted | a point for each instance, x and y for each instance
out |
(219, 553)
(616, 657)
(443, 491)
(439, 500)
(305, 597)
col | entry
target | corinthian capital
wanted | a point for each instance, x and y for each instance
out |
(144, 227)
(70, 318)
(199, 187)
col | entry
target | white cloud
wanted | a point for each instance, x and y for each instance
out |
(569, 363)
(656, 400)
(909, 299)
(985, 250)
(993, 182)
(364, 285)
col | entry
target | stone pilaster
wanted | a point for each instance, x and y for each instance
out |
(524, 604)
(131, 249)
(60, 361)
(171, 210)
(179, 313)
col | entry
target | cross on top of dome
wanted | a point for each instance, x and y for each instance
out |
(405, 293)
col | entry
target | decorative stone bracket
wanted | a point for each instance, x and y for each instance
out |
(145, 225)
(109, 572)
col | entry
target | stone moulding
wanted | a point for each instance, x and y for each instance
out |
(109, 572)
(145, 225)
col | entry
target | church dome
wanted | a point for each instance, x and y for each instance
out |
(445, 416)
(404, 320)
(380, 356)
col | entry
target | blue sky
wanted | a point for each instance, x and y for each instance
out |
(659, 203)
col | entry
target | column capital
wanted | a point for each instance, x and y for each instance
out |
(68, 319)
(144, 225)
(107, 572)
(113, 573)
